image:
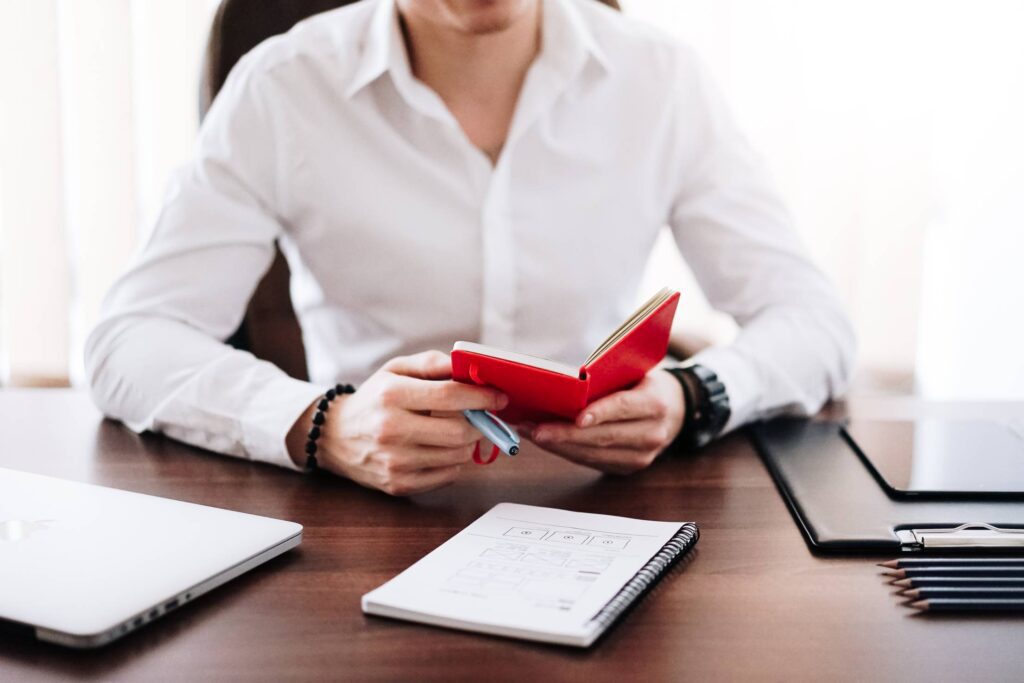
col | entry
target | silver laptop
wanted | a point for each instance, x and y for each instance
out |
(83, 565)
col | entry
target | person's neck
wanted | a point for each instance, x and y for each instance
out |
(482, 66)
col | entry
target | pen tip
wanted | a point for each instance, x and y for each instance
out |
(902, 582)
(891, 564)
(920, 605)
(896, 573)
(514, 450)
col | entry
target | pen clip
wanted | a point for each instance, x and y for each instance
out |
(503, 426)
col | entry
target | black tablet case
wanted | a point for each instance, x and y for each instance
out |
(838, 503)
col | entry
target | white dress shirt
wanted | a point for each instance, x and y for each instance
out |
(402, 236)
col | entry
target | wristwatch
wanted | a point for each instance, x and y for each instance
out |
(707, 405)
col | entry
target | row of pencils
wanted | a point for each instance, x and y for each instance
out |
(959, 584)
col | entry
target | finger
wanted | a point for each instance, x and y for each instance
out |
(418, 394)
(414, 459)
(631, 404)
(422, 481)
(405, 428)
(635, 434)
(425, 365)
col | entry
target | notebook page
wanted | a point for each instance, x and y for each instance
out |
(638, 315)
(520, 569)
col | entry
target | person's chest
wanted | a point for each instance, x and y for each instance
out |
(398, 218)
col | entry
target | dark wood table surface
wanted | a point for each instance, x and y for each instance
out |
(752, 603)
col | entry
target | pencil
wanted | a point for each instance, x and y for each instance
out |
(977, 582)
(960, 592)
(972, 605)
(953, 561)
(914, 572)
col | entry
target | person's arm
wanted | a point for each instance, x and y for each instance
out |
(403, 431)
(795, 348)
(796, 345)
(157, 361)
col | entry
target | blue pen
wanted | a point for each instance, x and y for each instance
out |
(495, 429)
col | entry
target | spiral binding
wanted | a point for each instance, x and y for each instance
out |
(677, 546)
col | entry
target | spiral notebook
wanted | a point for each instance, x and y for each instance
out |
(535, 573)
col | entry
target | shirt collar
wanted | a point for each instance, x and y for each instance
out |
(567, 44)
(379, 46)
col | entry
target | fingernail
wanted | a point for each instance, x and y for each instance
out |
(502, 401)
(587, 420)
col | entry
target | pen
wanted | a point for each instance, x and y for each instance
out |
(965, 571)
(495, 429)
(960, 593)
(969, 605)
(953, 562)
(958, 581)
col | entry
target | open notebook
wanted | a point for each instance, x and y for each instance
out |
(539, 388)
(535, 573)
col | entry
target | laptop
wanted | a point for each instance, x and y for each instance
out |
(83, 565)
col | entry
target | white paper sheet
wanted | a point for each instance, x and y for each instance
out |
(524, 571)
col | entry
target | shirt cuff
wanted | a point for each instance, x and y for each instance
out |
(739, 376)
(269, 417)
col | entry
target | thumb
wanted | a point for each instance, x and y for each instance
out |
(425, 365)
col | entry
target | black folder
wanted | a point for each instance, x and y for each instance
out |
(840, 506)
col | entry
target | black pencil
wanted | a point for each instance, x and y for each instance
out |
(961, 592)
(935, 581)
(956, 605)
(953, 561)
(914, 572)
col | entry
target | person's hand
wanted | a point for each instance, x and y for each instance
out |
(622, 432)
(403, 431)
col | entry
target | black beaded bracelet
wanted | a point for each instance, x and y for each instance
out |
(319, 418)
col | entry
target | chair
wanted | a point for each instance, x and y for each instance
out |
(269, 329)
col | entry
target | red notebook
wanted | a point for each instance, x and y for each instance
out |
(541, 389)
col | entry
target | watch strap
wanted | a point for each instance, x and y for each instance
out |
(707, 405)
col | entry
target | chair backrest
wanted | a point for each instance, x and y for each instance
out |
(270, 329)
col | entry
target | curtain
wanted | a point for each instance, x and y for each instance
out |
(97, 105)
(893, 128)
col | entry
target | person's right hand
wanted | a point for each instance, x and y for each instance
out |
(403, 431)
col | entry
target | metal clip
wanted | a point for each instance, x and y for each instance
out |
(972, 535)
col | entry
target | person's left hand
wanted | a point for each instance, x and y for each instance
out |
(622, 432)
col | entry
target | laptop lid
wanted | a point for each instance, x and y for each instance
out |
(85, 564)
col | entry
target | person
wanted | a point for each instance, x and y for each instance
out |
(437, 170)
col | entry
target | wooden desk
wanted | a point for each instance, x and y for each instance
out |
(752, 604)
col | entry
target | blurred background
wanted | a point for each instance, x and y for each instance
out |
(893, 129)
